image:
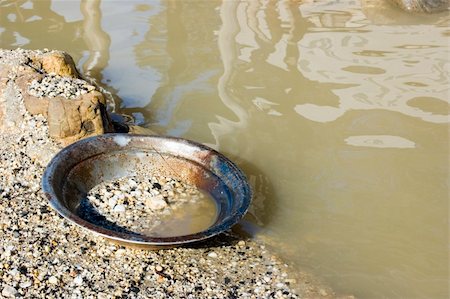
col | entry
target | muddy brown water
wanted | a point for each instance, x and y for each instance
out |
(192, 217)
(337, 111)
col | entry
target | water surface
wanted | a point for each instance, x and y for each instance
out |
(337, 111)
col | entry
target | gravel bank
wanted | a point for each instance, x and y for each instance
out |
(43, 256)
(54, 85)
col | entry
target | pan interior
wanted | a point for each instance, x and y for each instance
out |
(190, 219)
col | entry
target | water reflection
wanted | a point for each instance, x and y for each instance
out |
(96, 39)
(380, 141)
(382, 76)
(21, 19)
(325, 105)
(138, 35)
(264, 34)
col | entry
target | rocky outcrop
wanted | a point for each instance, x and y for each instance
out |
(59, 63)
(48, 83)
(403, 12)
(423, 6)
(74, 119)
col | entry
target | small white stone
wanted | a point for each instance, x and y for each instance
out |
(53, 280)
(25, 284)
(132, 183)
(119, 208)
(78, 280)
(13, 272)
(41, 275)
(9, 291)
(156, 203)
(241, 243)
(158, 268)
(102, 296)
(112, 202)
(212, 254)
(136, 193)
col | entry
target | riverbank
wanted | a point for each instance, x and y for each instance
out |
(42, 255)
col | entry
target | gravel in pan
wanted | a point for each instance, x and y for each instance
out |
(154, 205)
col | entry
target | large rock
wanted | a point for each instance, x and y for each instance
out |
(70, 120)
(59, 63)
(402, 12)
(422, 6)
(48, 83)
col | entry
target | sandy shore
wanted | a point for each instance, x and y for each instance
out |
(43, 256)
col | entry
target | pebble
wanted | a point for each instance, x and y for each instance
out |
(119, 208)
(102, 296)
(53, 280)
(78, 280)
(212, 254)
(156, 203)
(158, 268)
(120, 251)
(9, 291)
(13, 272)
(25, 284)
